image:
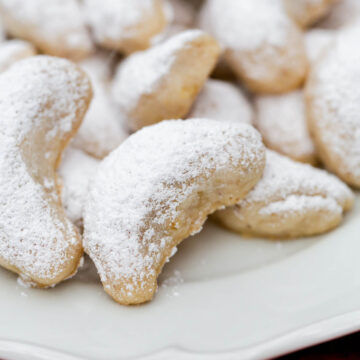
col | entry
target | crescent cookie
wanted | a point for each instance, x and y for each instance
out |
(43, 100)
(291, 200)
(103, 128)
(333, 106)
(56, 27)
(223, 101)
(157, 189)
(262, 44)
(76, 170)
(125, 25)
(307, 12)
(281, 120)
(162, 83)
(12, 51)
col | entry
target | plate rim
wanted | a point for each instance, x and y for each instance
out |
(303, 337)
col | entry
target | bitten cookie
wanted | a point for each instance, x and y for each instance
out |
(157, 189)
(291, 200)
(262, 44)
(163, 82)
(333, 106)
(43, 100)
(281, 120)
(56, 27)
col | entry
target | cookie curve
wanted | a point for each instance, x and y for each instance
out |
(47, 247)
(313, 205)
(162, 83)
(126, 26)
(170, 209)
(59, 31)
(331, 97)
(264, 47)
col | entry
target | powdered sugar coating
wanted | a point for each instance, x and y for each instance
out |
(333, 96)
(288, 184)
(262, 45)
(223, 101)
(141, 72)
(316, 42)
(103, 128)
(291, 200)
(76, 170)
(162, 83)
(14, 50)
(124, 25)
(42, 102)
(135, 210)
(247, 25)
(56, 27)
(281, 120)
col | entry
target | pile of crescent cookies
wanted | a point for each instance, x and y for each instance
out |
(125, 124)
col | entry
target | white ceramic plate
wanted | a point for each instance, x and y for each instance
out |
(221, 296)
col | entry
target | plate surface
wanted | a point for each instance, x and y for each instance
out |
(221, 296)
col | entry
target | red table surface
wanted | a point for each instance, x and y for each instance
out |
(345, 348)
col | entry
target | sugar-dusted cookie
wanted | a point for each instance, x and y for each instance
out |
(291, 200)
(161, 83)
(262, 44)
(157, 189)
(281, 120)
(333, 106)
(103, 128)
(125, 25)
(12, 51)
(316, 42)
(223, 101)
(76, 170)
(56, 27)
(307, 12)
(43, 100)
